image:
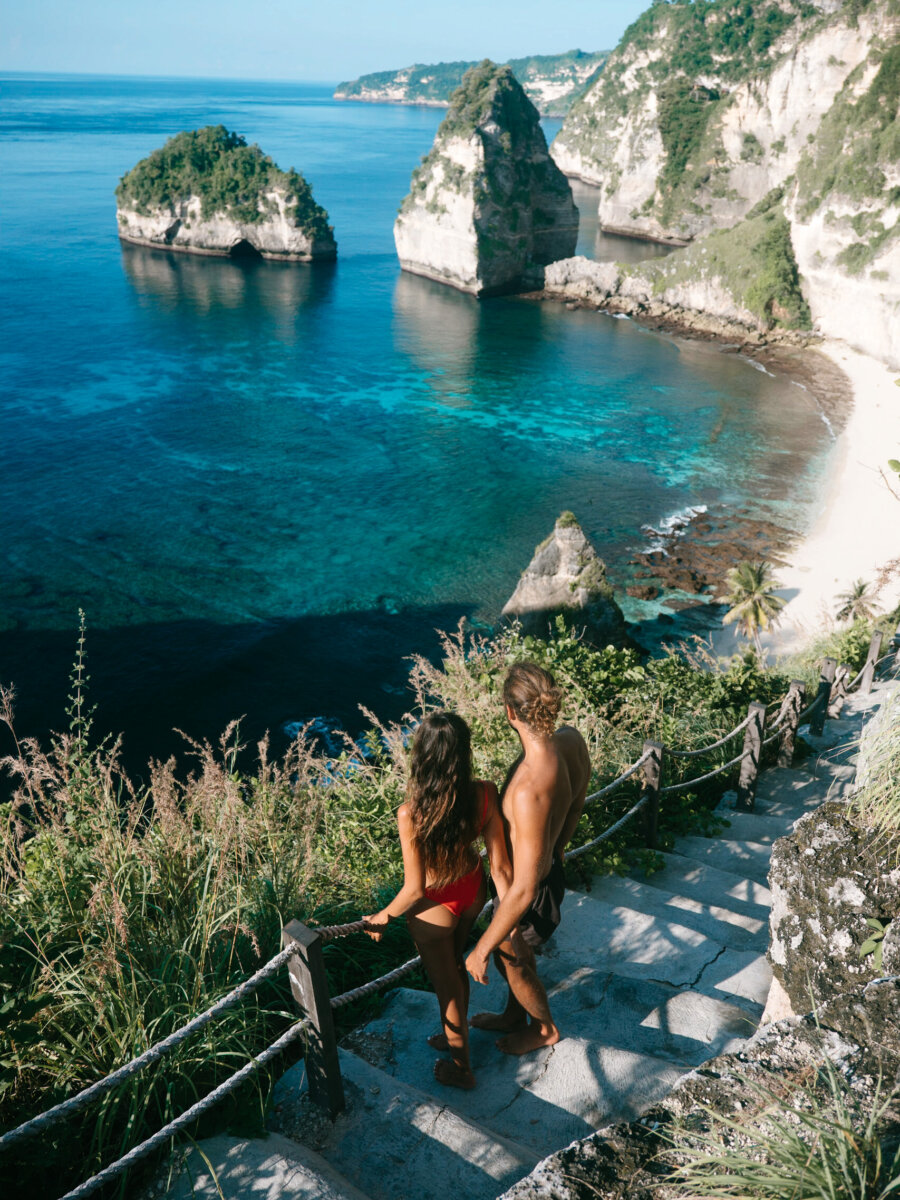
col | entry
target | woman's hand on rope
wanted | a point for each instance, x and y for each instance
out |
(376, 925)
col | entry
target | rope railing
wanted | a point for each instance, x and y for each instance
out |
(723, 741)
(689, 783)
(753, 723)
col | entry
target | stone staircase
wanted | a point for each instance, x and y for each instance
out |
(648, 977)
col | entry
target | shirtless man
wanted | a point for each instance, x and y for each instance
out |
(541, 802)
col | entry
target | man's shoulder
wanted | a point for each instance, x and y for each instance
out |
(567, 737)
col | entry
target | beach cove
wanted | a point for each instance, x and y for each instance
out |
(267, 485)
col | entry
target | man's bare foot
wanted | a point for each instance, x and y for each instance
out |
(498, 1022)
(534, 1037)
(438, 1041)
(452, 1075)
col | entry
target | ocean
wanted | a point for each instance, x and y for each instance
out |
(267, 484)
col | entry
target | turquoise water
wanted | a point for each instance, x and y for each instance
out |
(265, 483)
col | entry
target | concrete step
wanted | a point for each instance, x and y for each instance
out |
(722, 924)
(710, 886)
(788, 792)
(272, 1168)
(397, 1142)
(742, 977)
(748, 859)
(589, 1079)
(755, 826)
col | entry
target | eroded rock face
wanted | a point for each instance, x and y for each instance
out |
(566, 576)
(487, 206)
(207, 192)
(826, 879)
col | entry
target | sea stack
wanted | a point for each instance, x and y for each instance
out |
(567, 577)
(487, 205)
(207, 192)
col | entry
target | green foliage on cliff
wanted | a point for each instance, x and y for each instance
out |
(228, 175)
(857, 143)
(487, 91)
(435, 83)
(754, 260)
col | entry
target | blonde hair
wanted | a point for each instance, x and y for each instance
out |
(532, 694)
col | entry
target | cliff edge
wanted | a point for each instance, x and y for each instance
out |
(207, 192)
(487, 204)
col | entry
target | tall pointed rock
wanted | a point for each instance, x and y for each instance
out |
(566, 576)
(487, 205)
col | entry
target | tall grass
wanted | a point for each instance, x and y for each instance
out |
(877, 803)
(816, 1141)
(125, 909)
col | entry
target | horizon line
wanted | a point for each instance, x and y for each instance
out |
(32, 74)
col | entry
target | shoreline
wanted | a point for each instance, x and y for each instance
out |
(855, 535)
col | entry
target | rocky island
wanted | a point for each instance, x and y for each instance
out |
(566, 577)
(551, 81)
(207, 192)
(487, 204)
(770, 142)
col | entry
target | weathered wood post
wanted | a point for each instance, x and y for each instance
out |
(895, 646)
(652, 783)
(753, 735)
(795, 697)
(868, 675)
(309, 986)
(819, 713)
(842, 677)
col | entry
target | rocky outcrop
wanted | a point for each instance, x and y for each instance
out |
(551, 81)
(208, 192)
(857, 1035)
(703, 112)
(827, 879)
(487, 205)
(566, 577)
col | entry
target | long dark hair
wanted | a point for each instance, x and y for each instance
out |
(440, 795)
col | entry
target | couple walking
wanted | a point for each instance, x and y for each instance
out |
(525, 829)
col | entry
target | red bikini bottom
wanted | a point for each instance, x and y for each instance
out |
(460, 894)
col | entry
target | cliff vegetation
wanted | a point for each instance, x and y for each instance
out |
(227, 175)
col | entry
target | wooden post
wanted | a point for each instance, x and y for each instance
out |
(838, 695)
(746, 797)
(895, 646)
(652, 783)
(868, 675)
(796, 695)
(826, 677)
(309, 986)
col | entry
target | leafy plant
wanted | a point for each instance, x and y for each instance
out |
(753, 603)
(856, 604)
(874, 943)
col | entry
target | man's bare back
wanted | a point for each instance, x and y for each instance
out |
(557, 786)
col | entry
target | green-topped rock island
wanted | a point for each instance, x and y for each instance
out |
(207, 192)
(487, 205)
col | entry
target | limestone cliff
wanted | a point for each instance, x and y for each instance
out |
(551, 81)
(704, 110)
(566, 577)
(207, 192)
(487, 204)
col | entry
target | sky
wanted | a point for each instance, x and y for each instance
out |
(330, 40)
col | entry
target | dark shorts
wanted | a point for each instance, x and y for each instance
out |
(540, 920)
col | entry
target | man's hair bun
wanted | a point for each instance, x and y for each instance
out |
(532, 694)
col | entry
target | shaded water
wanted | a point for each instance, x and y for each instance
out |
(266, 482)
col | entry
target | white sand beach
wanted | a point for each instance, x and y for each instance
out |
(857, 533)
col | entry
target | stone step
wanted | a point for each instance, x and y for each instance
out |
(749, 859)
(397, 1142)
(722, 924)
(742, 977)
(710, 886)
(754, 826)
(589, 1079)
(786, 792)
(272, 1168)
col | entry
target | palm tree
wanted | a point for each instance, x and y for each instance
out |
(856, 603)
(751, 599)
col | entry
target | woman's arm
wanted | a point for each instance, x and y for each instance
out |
(494, 835)
(413, 879)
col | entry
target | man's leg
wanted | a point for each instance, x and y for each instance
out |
(514, 1017)
(531, 997)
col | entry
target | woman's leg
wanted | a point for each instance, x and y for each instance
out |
(433, 928)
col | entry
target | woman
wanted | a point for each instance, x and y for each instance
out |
(444, 887)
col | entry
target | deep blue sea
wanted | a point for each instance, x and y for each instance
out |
(266, 483)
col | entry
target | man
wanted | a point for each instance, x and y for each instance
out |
(541, 802)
